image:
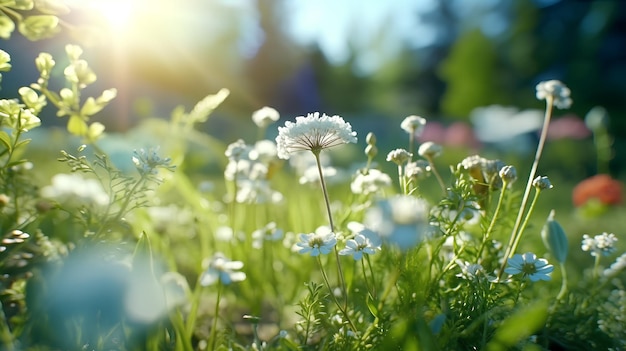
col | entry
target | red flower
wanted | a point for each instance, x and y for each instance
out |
(602, 187)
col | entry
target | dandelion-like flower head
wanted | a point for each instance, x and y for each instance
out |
(529, 266)
(313, 133)
(559, 92)
(265, 116)
(413, 124)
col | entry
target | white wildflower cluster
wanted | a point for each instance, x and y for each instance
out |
(75, 190)
(265, 116)
(400, 220)
(313, 133)
(370, 182)
(249, 167)
(399, 156)
(616, 267)
(413, 125)
(557, 91)
(418, 169)
(269, 232)
(601, 244)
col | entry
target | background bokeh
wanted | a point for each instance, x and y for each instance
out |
(373, 62)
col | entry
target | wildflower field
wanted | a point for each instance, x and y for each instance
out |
(309, 237)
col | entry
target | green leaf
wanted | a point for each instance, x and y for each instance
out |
(371, 305)
(524, 323)
(5, 139)
(39, 27)
(6, 26)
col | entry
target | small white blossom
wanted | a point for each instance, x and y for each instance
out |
(601, 244)
(429, 150)
(399, 156)
(370, 183)
(413, 125)
(617, 266)
(219, 268)
(401, 220)
(313, 133)
(265, 116)
(542, 183)
(268, 233)
(74, 189)
(419, 169)
(530, 266)
(320, 242)
(470, 271)
(365, 242)
(148, 161)
(559, 92)
(237, 150)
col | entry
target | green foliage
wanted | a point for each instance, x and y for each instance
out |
(143, 258)
(468, 88)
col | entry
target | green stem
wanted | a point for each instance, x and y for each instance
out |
(542, 140)
(437, 175)
(213, 336)
(401, 180)
(5, 331)
(525, 223)
(369, 264)
(563, 290)
(493, 219)
(332, 294)
(596, 267)
(332, 225)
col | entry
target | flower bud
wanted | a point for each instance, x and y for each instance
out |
(370, 139)
(542, 183)
(508, 174)
(555, 239)
(371, 151)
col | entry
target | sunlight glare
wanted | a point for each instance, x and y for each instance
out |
(117, 13)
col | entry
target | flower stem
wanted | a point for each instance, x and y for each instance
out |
(493, 219)
(213, 336)
(563, 290)
(437, 175)
(542, 140)
(332, 225)
(330, 289)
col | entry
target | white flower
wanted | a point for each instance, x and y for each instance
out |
(508, 174)
(401, 220)
(313, 133)
(221, 269)
(332, 175)
(429, 150)
(369, 183)
(559, 92)
(237, 150)
(263, 151)
(74, 189)
(601, 244)
(617, 266)
(419, 169)
(365, 241)
(399, 156)
(268, 233)
(470, 271)
(320, 242)
(530, 266)
(542, 183)
(265, 116)
(413, 124)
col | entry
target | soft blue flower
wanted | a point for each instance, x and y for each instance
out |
(530, 266)
(320, 242)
